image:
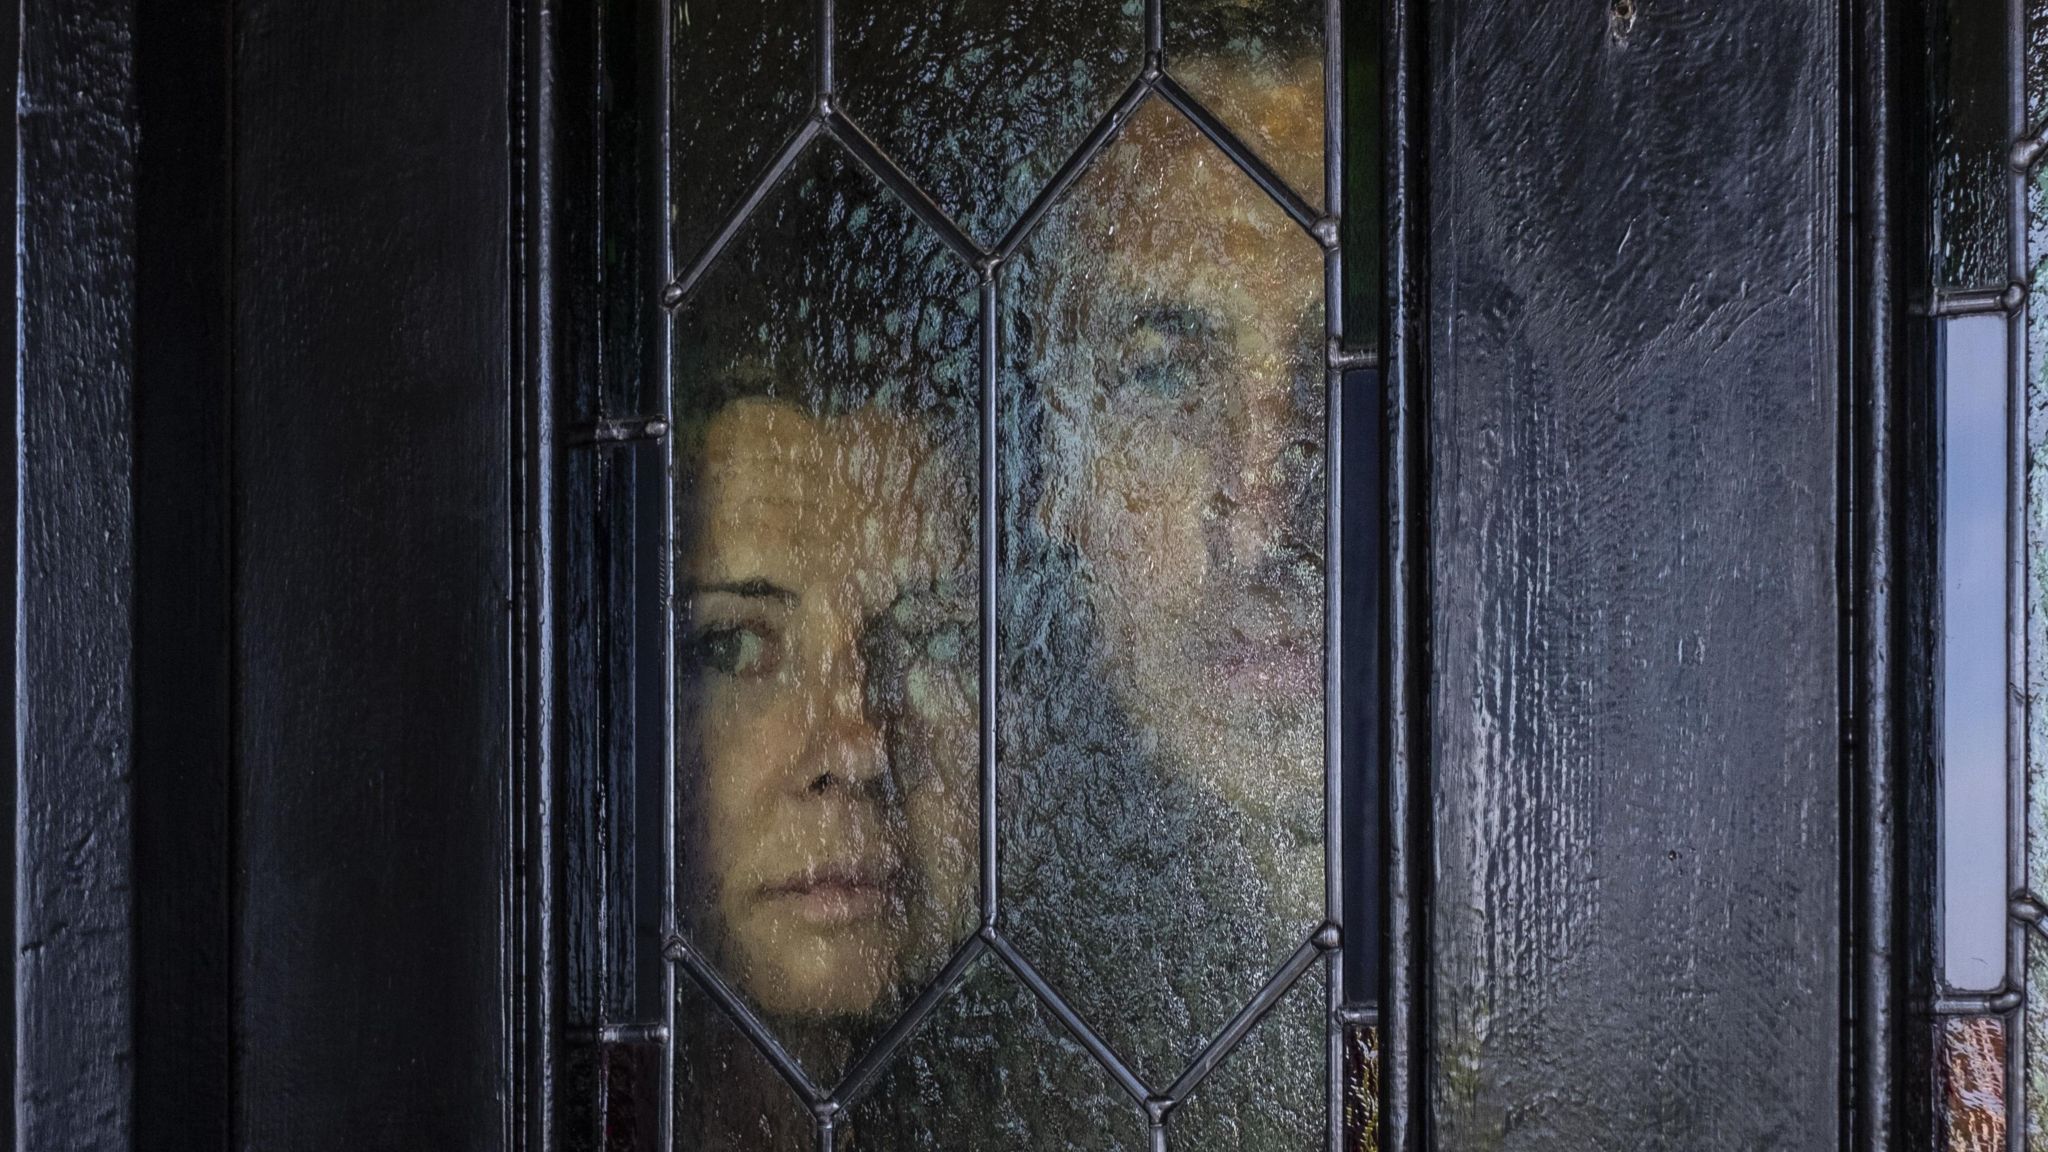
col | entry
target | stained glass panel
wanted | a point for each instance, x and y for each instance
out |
(1142, 381)
(1973, 130)
(992, 1068)
(1973, 1084)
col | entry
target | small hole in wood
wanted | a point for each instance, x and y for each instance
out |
(1621, 19)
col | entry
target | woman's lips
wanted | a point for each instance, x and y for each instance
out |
(834, 897)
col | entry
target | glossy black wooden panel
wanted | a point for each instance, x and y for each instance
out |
(183, 684)
(373, 412)
(74, 653)
(1636, 909)
(10, 55)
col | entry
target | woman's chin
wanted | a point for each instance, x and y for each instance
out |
(820, 979)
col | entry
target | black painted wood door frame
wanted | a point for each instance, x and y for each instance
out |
(1881, 564)
(264, 867)
(288, 342)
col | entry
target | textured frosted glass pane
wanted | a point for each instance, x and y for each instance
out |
(1258, 65)
(1973, 1084)
(1162, 738)
(1975, 678)
(2035, 52)
(742, 83)
(991, 1068)
(1973, 130)
(983, 102)
(827, 611)
(1271, 1093)
(728, 1098)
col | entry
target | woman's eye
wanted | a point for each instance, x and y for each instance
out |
(733, 650)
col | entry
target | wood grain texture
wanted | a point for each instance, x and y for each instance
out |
(74, 652)
(1636, 899)
(373, 413)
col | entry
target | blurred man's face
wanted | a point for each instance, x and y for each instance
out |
(1182, 362)
(827, 681)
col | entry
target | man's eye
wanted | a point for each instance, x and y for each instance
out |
(948, 642)
(1166, 374)
(733, 650)
(1165, 353)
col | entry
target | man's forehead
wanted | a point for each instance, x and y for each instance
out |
(1167, 192)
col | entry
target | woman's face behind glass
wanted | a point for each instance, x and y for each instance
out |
(828, 705)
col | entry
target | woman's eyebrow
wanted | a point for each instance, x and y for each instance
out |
(754, 589)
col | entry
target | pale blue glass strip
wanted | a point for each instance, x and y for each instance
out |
(1975, 692)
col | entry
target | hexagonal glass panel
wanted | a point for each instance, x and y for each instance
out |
(991, 1068)
(982, 103)
(742, 79)
(1258, 65)
(1162, 636)
(827, 610)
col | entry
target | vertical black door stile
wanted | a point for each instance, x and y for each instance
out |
(1655, 906)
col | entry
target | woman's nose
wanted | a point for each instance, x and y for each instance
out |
(845, 748)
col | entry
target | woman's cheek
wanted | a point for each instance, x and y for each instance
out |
(750, 740)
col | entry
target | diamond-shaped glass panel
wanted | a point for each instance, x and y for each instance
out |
(827, 610)
(1162, 734)
(982, 102)
(1258, 65)
(728, 1097)
(1272, 1090)
(991, 1068)
(742, 78)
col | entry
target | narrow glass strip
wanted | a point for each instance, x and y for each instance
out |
(1974, 782)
